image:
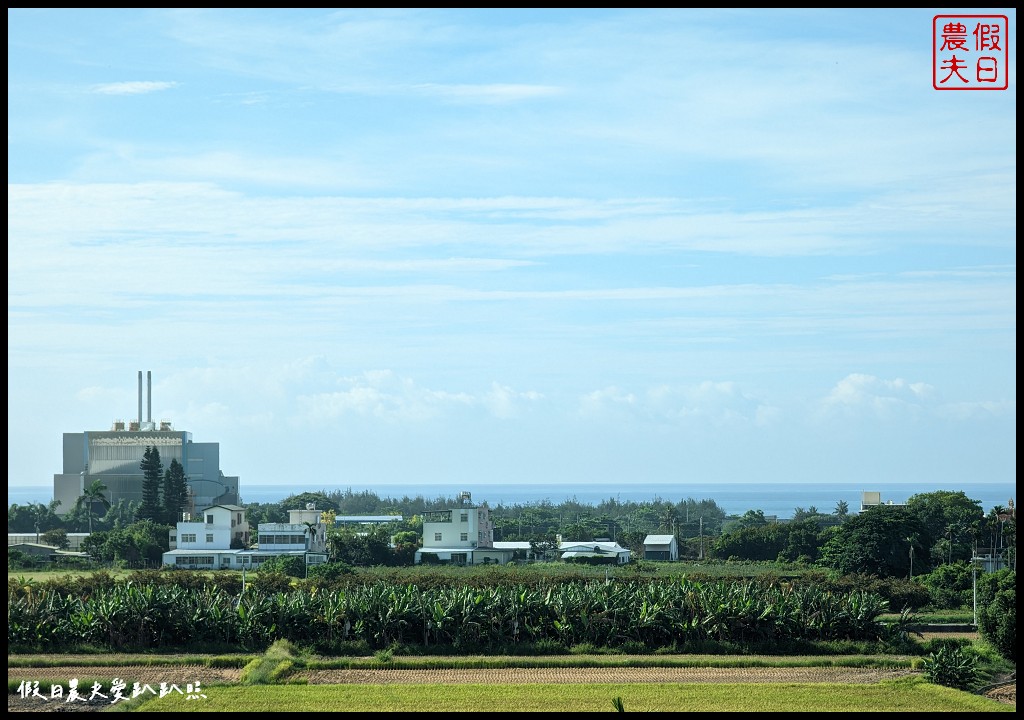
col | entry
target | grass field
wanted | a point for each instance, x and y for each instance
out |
(280, 681)
(911, 695)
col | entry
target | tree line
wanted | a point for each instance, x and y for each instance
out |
(932, 530)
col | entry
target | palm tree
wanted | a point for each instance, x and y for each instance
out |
(311, 528)
(951, 534)
(91, 495)
(912, 539)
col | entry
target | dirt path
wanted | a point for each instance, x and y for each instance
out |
(517, 676)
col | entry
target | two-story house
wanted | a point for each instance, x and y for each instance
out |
(218, 526)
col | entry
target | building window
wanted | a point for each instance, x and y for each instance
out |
(464, 537)
(437, 537)
(209, 519)
(209, 537)
(464, 516)
(194, 560)
(188, 537)
(174, 538)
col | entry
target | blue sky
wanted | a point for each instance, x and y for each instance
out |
(513, 246)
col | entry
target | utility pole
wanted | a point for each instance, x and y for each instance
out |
(974, 589)
(700, 553)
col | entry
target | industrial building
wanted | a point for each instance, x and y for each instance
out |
(114, 457)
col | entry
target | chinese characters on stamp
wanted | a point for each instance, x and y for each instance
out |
(970, 52)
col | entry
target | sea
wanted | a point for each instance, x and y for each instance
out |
(773, 499)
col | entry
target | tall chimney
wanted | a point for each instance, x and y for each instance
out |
(149, 396)
(139, 416)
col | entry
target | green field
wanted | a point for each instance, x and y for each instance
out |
(891, 696)
(269, 683)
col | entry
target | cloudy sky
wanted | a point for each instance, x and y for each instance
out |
(513, 246)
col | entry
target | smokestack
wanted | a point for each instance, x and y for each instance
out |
(149, 396)
(139, 416)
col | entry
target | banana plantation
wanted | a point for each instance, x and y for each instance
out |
(681, 615)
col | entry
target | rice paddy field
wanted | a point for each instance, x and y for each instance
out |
(277, 682)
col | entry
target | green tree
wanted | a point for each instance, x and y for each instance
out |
(121, 514)
(757, 543)
(405, 543)
(141, 542)
(950, 586)
(406, 537)
(151, 541)
(95, 545)
(874, 542)
(776, 541)
(34, 517)
(57, 537)
(544, 547)
(803, 541)
(997, 611)
(258, 513)
(360, 548)
(120, 547)
(175, 492)
(293, 565)
(318, 499)
(946, 519)
(751, 518)
(152, 473)
(842, 509)
(582, 529)
(91, 496)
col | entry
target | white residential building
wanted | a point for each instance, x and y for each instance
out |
(303, 531)
(461, 536)
(216, 527)
(206, 544)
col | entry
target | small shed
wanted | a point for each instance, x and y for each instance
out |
(661, 547)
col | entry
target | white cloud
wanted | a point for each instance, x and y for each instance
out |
(711, 403)
(504, 403)
(138, 87)
(488, 94)
(984, 410)
(718, 403)
(861, 394)
(384, 395)
(600, 403)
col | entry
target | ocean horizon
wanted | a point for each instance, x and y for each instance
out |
(773, 499)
